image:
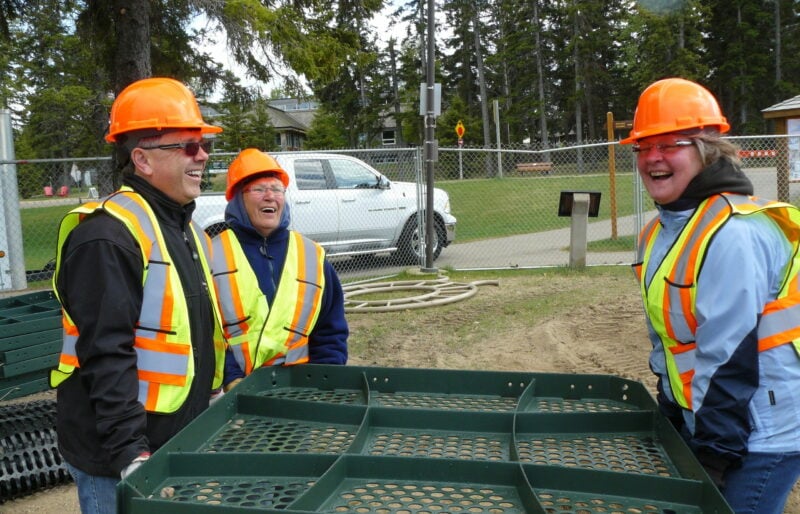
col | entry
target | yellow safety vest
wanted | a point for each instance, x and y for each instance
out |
(260, 334)
(162, 339)
(670, 297)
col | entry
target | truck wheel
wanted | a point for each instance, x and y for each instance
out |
(409, 247)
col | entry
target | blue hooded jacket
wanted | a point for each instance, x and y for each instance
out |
(327, 342)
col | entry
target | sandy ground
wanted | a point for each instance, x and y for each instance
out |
(515, 328)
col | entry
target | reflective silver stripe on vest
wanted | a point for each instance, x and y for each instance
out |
(311, 271)
(231, 322)
(162, 362)
(647, 232)
(685, 359)
(70, 341)
(152, 304)
(684, 266)
(778, 322)
(157, 272)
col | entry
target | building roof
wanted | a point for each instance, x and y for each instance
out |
(283, 120)
(784, 109)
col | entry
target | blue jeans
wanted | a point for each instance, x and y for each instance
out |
(763, 483)
(96, 495)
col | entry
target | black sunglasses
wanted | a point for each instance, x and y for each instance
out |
(191, 148)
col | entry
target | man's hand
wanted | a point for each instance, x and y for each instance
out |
(216, 394)
(135, 463)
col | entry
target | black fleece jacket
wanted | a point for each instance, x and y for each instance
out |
(100, 423)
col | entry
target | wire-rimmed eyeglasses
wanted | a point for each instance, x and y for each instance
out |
(262, 190)
(662, 148)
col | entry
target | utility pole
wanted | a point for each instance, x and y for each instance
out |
(431, 149)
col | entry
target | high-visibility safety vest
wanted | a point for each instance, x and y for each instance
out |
(162, 338)
(260, 334)
(671, 294)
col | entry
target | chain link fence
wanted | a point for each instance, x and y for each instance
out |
(506, 202)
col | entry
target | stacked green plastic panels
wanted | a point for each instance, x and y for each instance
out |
(349, 439)
(30, 342)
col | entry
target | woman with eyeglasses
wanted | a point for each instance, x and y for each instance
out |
(139, 360)
(281, 300)
(718, 269)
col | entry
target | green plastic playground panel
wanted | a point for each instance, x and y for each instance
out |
(320, 438)
(480, 436)
(452, 390)
(582, 491)
(629, 442)
(179, 482)
(264, 425)
(28, 313)
(46, 298)
(30, 341)
(373, 485)
(24, 385)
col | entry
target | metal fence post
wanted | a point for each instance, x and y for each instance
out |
(12, 226)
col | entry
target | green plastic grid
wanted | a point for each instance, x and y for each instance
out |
(572, 502)
(21, 310)
(440, 435)
(454, 390)
(268, 483)
(381, 496)
(577, 491)
(30, 342)
(426, 458)
(309, 394)
(254, 434)
(454, 402)
(43, 298)
(626, 443)
(252, 492)
(370, 485)
(265, 425)
(562, 405)
(623, 452)
(566, 394)
(24, 385)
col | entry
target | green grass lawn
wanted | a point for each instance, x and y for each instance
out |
(40, 233)
(509, 206)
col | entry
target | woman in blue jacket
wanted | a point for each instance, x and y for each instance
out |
(719, 277)
(296, 313)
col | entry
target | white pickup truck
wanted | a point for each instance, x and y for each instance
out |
(349, 208)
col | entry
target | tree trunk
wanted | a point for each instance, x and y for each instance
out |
(131, 20)
(543, 135)
(487, 139)
(132, 60)
(398, 134)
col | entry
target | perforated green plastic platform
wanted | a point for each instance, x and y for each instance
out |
(334, 439)
(30, 342)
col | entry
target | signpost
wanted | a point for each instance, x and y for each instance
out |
(460, 130)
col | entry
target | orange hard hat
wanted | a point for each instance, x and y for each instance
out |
(673, 105)
(155, 103)
(248, 164)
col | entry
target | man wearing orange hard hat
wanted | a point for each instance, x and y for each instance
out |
(718, 269)
(281, 301)
(139, 360)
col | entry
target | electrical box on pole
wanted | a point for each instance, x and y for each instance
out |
(423, 99)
